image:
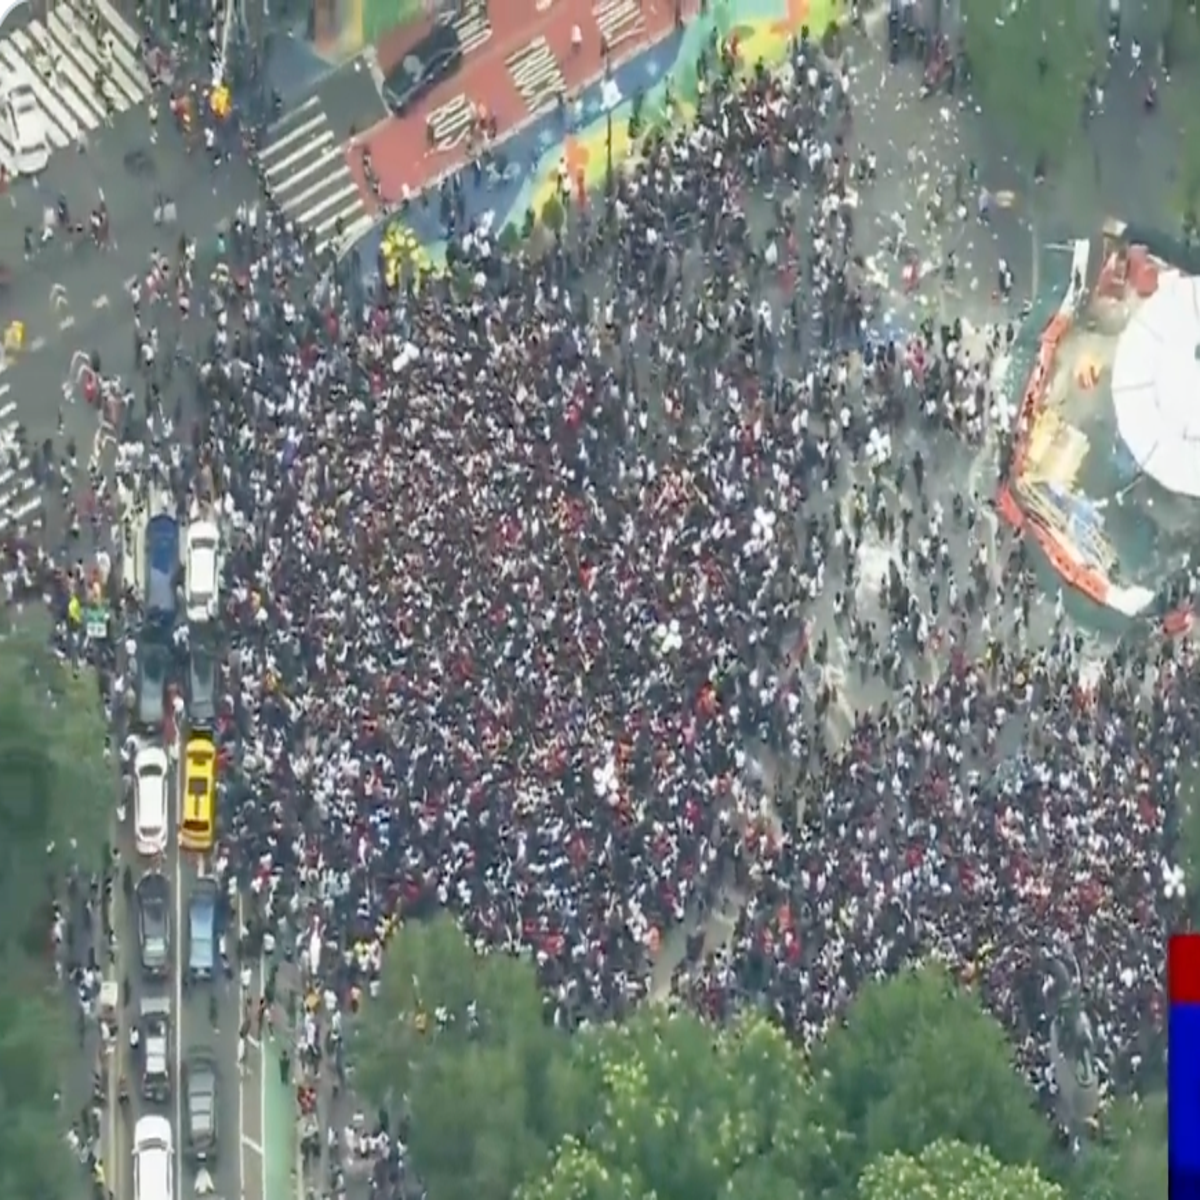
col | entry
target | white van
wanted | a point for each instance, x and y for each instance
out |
(153, 1159)
(23, 141)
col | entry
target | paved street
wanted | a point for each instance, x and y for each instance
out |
(73, 301)
(305, 159)
(55, 54)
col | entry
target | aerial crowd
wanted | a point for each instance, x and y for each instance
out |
(639, 584)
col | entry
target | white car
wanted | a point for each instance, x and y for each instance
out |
(150, 800)
(202, 571)
(23, 136)
(153, 1159)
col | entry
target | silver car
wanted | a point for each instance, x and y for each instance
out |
(200, 1106)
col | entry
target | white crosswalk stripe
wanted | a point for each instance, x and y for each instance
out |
(618, 20)
(59, 59)
(473, 27)
(536, 74)
(304, 165)
(20, 497)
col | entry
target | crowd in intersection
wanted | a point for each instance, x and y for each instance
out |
(525, 589)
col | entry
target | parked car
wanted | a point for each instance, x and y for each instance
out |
(202, 571)
(153, 898)
(162, 566)
(434, 58)
(200, 1087)
(153, 1159)
(24, 138)
(202, 928)
(150, 819)
(155, 1044)
(152, 663)
(202, 686)
(198, 804)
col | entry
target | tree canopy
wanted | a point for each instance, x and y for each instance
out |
(918, 1059)
(952, 1171)
(55, 808)
(1130, 1160)
(913, 1095)
(1030, 66)
(671, 1107)
(462, 1036)
(34, 1042)
(59, 789)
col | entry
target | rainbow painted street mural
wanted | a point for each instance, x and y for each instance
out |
(664, 72)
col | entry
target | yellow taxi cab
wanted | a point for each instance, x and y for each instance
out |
(199, 795)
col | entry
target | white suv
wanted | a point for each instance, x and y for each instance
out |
(153, 1159)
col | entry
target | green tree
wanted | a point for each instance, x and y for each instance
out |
(59, 789)
(1129, 1160)
(667, 1106)
(56, 810)
(1030, 64)
(461, 1038)
(918, 1060)
(952, 1171)
(34, 1045)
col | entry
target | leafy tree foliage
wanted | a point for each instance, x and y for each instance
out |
(952, 1171)
(55, 808)
(462, 1036)
(917, 1060)
(673, 1108)
(59, 790)
(34, 1042)
(914, 1095)
(1130, 1161)
(1031, 63)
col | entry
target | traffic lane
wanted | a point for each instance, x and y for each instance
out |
(210, 1023)
(251, 1082)
(65, 293)
(61, 285)
(209, 1016)
(105, 170)
(138, 988)
(118, 1141)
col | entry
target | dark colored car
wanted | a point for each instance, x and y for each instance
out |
(153, 661)
(202, 687)
(434, 58)
(153, 899)
(200, 1106)
(162, 566)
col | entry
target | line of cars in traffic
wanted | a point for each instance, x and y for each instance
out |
(175, 567)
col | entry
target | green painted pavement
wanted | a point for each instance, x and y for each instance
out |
(381, 16)
(281, 1148)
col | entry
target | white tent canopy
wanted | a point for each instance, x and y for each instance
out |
(1156, 385)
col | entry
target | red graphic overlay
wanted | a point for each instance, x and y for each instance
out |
(488, 80)
(1183, 969)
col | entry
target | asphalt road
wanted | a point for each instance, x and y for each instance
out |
(238, 1171)
(73, 301)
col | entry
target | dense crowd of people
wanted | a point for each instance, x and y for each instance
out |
(558, 604)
